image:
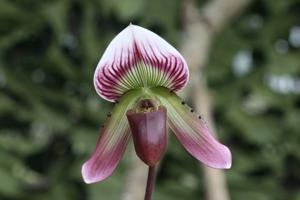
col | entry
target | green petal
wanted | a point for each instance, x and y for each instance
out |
(192, 131)
(112, 142)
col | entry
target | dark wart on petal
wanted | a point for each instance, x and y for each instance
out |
(191, 109)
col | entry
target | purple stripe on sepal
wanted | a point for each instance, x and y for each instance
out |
(134, 46)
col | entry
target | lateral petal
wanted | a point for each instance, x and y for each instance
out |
(111, 144)
(193, 133)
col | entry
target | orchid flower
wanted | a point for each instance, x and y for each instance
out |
(141, 73)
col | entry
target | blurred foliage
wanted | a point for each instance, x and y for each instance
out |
(50, 113)
(254, 73)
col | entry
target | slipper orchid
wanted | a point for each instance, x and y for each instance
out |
(141, 72)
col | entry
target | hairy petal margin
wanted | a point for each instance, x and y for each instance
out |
(193, 133)
(112, 142)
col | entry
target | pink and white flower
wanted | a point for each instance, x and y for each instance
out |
(141, 72)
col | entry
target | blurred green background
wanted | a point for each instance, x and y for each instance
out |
(50, 114)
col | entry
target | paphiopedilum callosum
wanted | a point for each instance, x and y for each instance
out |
(141, 72)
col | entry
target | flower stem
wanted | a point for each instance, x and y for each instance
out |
(150, 182)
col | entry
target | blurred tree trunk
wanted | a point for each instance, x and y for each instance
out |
(200, 28)
(135, 183)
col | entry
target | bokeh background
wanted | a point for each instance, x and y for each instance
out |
(50, 114)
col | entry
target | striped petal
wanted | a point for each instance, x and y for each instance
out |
(193, 133)
(137, 58)
(112, 142)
